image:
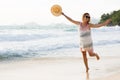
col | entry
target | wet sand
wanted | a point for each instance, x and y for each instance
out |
(65, 68)
(71, 68)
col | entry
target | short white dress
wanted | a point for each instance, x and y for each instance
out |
(85, 37)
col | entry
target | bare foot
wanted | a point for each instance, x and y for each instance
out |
(87, 69)
(97, 56)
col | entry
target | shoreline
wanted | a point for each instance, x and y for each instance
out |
(64, 68)
(60, 69)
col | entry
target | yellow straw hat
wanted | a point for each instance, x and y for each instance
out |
(56, 10)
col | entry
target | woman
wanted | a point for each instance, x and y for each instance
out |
(85, 36)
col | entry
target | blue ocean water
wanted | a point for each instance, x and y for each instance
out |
(27, 41)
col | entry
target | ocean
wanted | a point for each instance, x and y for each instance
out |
(54, 40)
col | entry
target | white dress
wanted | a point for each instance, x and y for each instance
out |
(85, 37)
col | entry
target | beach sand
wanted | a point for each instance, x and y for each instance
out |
(62, 68)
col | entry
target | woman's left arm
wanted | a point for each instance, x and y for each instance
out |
(101, 24)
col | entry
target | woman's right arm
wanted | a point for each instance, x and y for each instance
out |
(71, 20)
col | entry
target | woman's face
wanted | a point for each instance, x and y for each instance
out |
(86, 18)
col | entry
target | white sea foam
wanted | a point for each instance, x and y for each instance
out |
(49, 40)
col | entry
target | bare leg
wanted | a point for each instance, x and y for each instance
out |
(92, 54)
(85, 60)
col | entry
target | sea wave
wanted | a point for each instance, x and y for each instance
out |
(36, 40)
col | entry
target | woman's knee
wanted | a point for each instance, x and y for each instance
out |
(91, 54)
(84, 53)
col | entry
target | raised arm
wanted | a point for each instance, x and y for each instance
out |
(101, 24)
(71, 20)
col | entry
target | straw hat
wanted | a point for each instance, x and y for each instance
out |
(56, 10)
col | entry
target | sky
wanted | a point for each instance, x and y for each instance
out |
(38, 11)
